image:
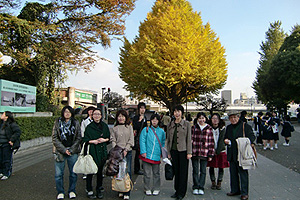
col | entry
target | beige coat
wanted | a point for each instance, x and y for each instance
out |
(122, 136)
(184, 136)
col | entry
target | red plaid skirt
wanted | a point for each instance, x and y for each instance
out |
(219, 161)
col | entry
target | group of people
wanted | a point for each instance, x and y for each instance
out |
(267, 130)
(203, 142)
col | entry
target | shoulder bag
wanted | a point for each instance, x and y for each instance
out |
(85, 164)
(164, 151)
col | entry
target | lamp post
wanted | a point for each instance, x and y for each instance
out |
(103, 89)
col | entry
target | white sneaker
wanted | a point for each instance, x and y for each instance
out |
(148, 192)
(201, 192)
(72, 195)
(271, 148)
(195, 191)
(284, 144)
(265, 148)
(276, 146)
(4, 178)
(1, 175)
(287, 144)
(126, 197)
(156, 192)
(60, 196)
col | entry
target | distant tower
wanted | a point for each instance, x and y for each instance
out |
(226, 94)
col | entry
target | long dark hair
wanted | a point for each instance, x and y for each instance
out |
(71, 111)
(221, 123)
(9, 120)
(124, 113)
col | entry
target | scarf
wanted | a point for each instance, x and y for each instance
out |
(66, 129)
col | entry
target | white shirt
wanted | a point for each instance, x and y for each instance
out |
(84, 124)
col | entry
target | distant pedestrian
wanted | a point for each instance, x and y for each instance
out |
(66, 138)
(239, 179)
(179, 145)
(268, 136)
(122, 135)
(9, 141)
(139, 122)
(166, 119)
(287, 129)
(151, 154)
(97, 136)
(276, 123)
(202, 151)
(243, 116)
(258, 128)
(220, 158)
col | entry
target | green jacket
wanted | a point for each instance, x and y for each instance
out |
(93, 132)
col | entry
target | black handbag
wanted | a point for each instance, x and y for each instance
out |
(169, 172)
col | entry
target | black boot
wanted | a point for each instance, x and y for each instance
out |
(99, 194)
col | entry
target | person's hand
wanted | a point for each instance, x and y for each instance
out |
(226, 141)
(144, 155)
(209, 158)
(189, 156)
(125, 153)
(101, 140)
(68, 152)
(134, 132)
(141, 118)
(94, 142)
(11, 143)
(169, 156)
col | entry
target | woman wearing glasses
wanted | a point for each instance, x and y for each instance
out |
(97, 136)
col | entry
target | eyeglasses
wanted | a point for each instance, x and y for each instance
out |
(97, 114)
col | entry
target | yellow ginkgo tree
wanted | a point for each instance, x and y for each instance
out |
(175, 57)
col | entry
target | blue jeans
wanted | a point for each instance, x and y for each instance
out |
(59, 174)
(6, 159)
(129, 162)
(199, 180)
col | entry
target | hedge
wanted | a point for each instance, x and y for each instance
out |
(35, 127)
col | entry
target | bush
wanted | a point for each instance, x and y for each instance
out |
(35, 127)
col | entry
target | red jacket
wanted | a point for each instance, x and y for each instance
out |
(202, 141)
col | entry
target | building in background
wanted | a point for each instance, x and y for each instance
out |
(226, 94)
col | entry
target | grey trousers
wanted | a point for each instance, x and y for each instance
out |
(155, 170)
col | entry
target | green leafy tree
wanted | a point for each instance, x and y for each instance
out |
(47, 40)
(175, 57)
(263, 84)
(114, 100)
(286, 68)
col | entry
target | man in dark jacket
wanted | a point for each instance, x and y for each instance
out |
(237, 173)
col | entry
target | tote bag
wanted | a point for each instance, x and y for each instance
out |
(122, 185)
(85, 164)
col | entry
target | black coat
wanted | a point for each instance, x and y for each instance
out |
(232, 150)
(13, 133)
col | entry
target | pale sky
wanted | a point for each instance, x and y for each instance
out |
(240, 25)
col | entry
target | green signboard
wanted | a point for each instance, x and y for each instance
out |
(17, 97)
(83, 96)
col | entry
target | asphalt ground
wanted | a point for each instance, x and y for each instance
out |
(277, 177)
